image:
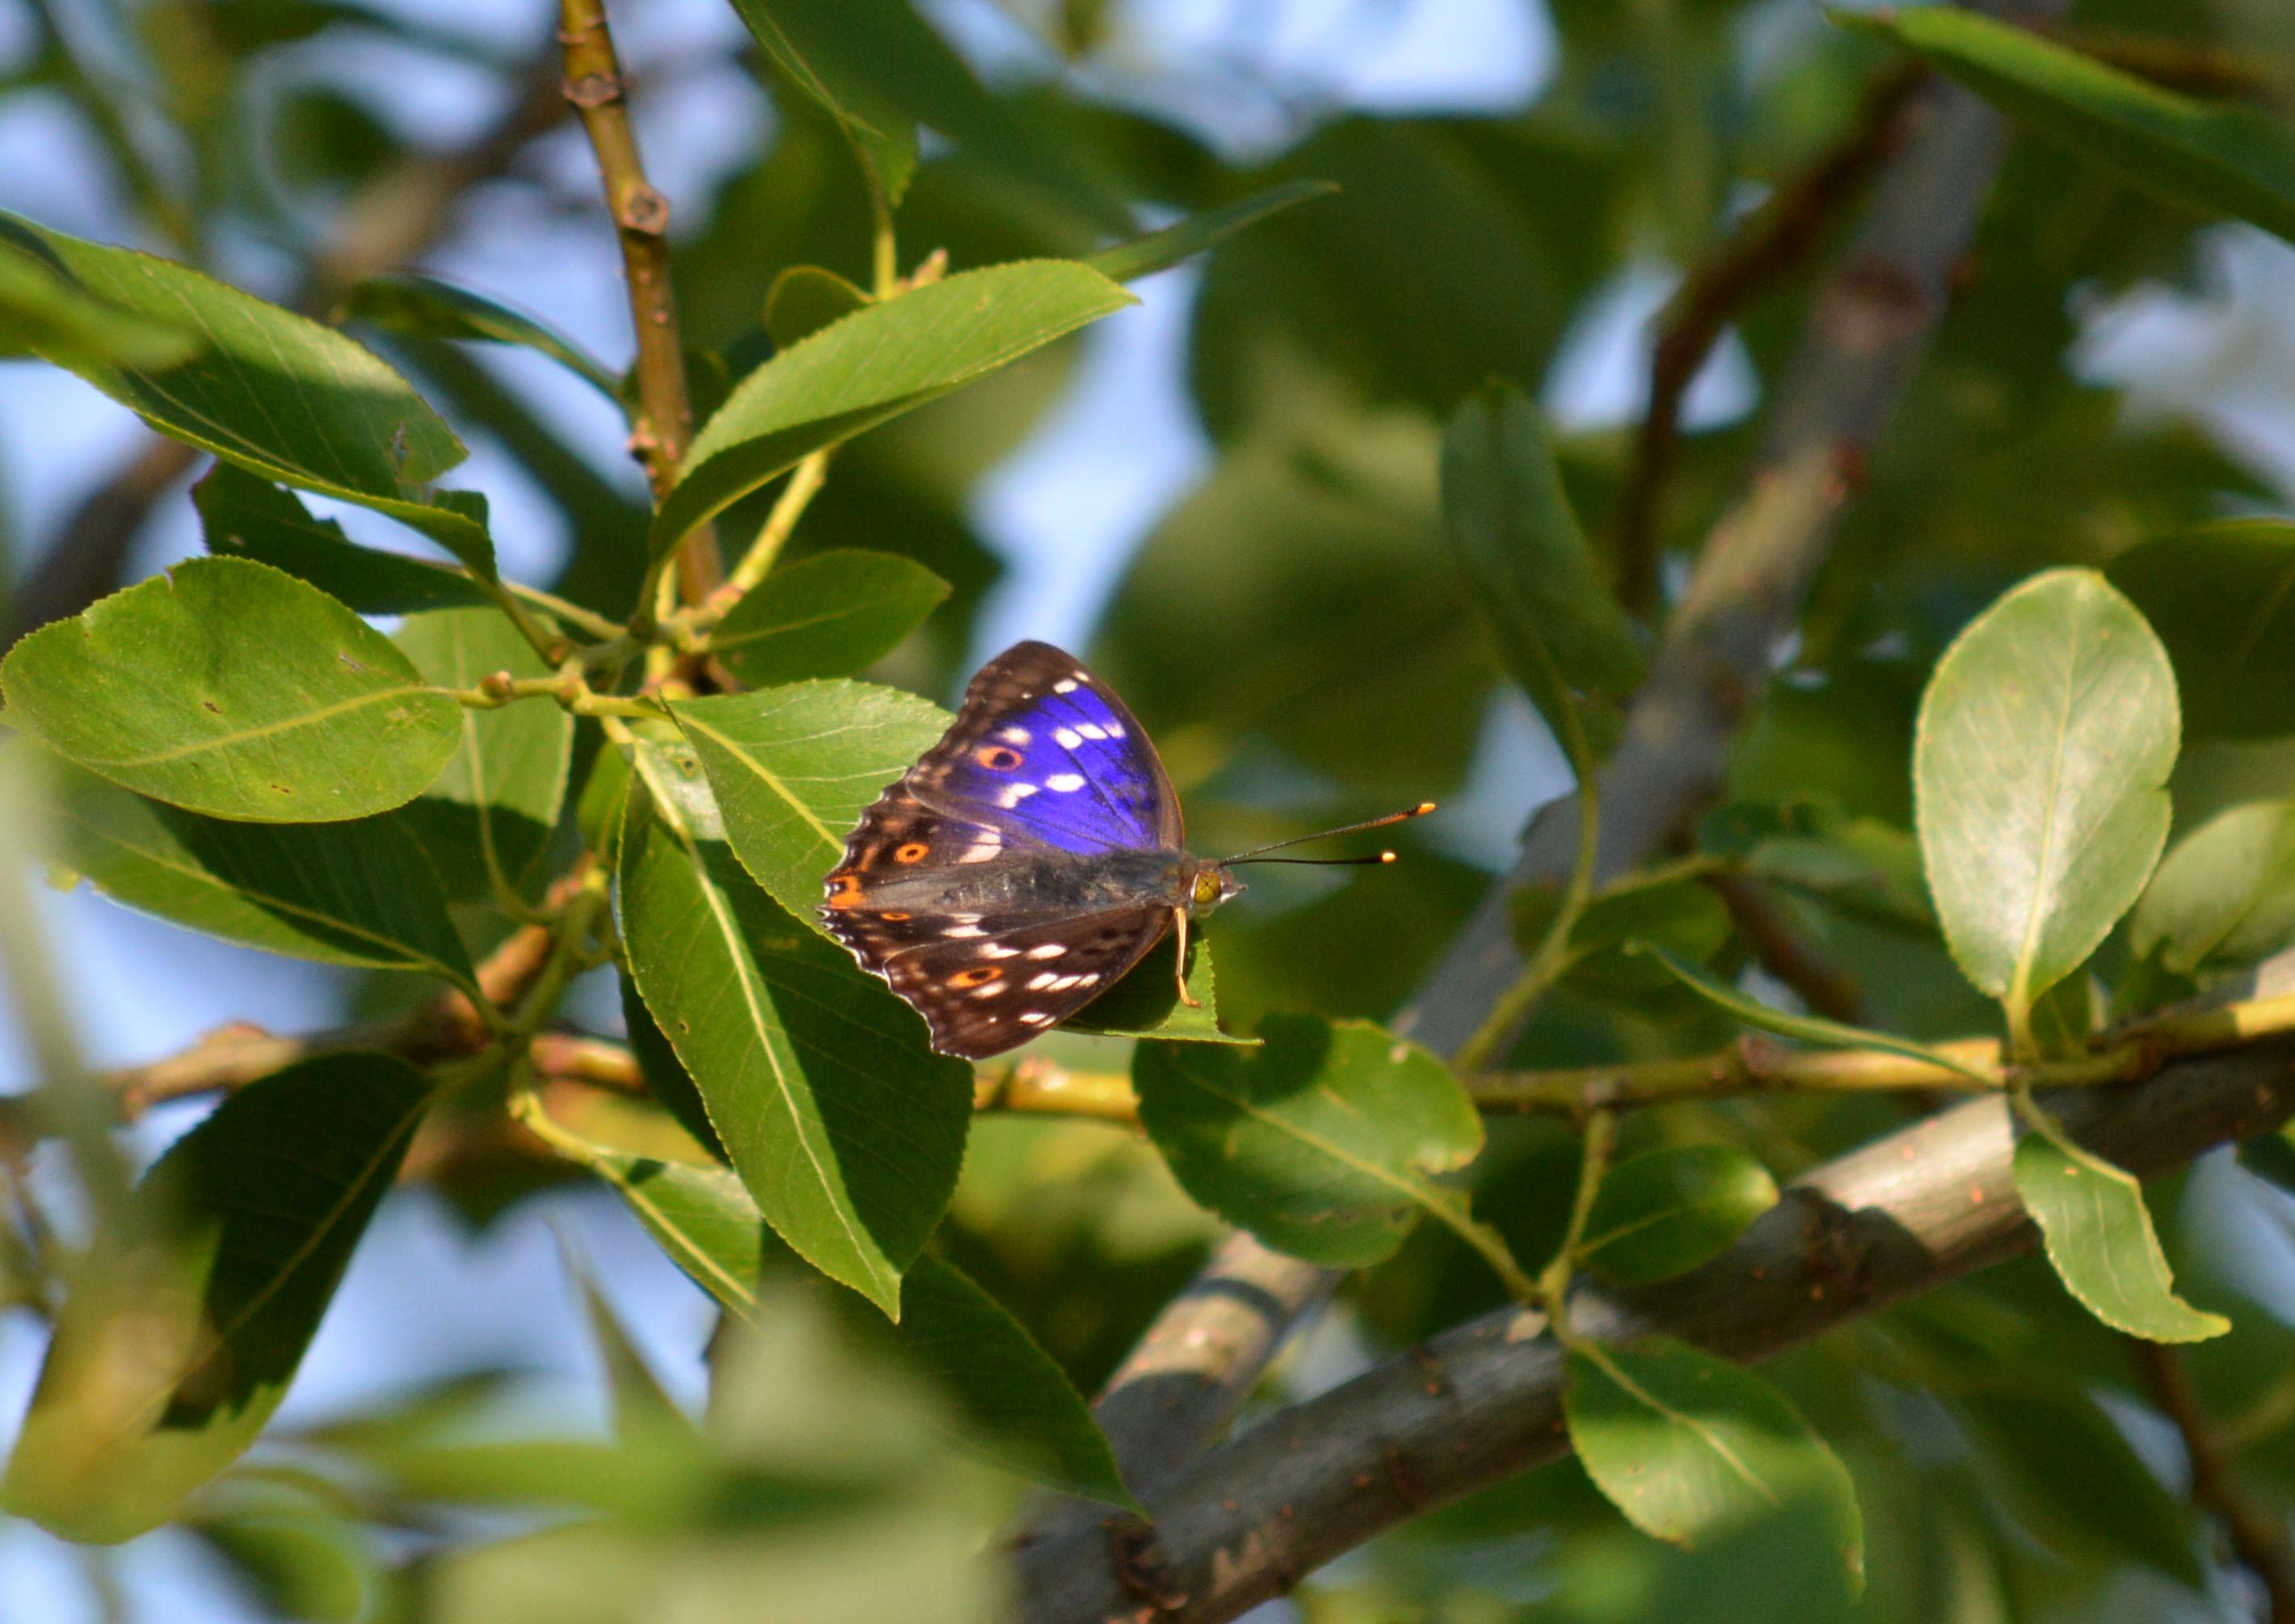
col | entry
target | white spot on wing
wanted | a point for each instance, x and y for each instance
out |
(1067, 739)
(1016, 794)
(993, 951)
(1038, 982)
(1115, 730)
(961, 933)
(1015, 736)
(1036, 1017)
(1066, 685)
(1085, 981)
(990, 991)
(1091, 729)
(1067, 783)
(982, 853)
(1050, 950)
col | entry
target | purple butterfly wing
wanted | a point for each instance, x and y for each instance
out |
(1044, 749)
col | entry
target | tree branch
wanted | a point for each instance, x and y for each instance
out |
(641, 215)
(1481, 1402)
(2257, 1532)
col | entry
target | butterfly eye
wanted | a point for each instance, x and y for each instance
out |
(997, 758)
(913, 851)
(1207, 886)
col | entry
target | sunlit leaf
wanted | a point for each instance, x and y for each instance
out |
(2045, 739)
(2100, 1241)
(1665, 1212)
(242, 517)
(426, 307)
(228, 688)
(827, 615)
(1324, 1142)
(44, 313)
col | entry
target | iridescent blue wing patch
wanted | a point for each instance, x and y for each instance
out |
(1044, 749)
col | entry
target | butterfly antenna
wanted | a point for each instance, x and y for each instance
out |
(1253, 855)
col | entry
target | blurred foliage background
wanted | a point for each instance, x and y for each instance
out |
(1231, 510)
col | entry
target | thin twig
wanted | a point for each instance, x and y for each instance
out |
(663, 426)
(1771, 245)
(1781, 948)
(2256, 1532)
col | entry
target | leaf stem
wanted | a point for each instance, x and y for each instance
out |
(563, 609)
(1551, 960)
(1600, 1143)
(664, 424)
(804, 482)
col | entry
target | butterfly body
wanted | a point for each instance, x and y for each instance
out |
(1024, 863)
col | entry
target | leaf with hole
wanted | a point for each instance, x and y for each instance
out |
(169, 1356)
(1325, 1142)
(242, 517)
(872, 366)
(801, 1058)
(276, 393)
(230, 688)
(487, 818)
(2101, 1242)
(1690, 1447)
(1664, 1211)
(2220, 157)
(358, 892)
(2222, 597)
(2040, 766)
(827, 615)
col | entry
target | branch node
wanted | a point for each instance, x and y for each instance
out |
(646, 211)
(592, 90)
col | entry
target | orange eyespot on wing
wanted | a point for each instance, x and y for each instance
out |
(977, 976)
(914, 851)
(998, 758)
(896, 917)
(845, 890)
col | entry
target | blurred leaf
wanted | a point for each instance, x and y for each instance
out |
(426, 307)
(487, 818)
(1674, 912)
(242, 517)
(827, 615)
(793, 768)
(806, 299)
(844, 81)
(1664, 1211)
(2046, 736)
(2225, 894)
(2222, 597)
(274, 392)
(640, 1403)
(2066, 1474)
(1689, 1446)
(1024, 1413)
(167, 1361)
(1861, 866)
(43, 313)
(1160, 250)
(228, 688)
(875, 364)
(2270, 1158)
(801, 1058)
(360, 892)
(2221, 156)
(1807, 1028)
(1324, 1142)
(302, 1562)
(2100, 1241)
(1515, 536)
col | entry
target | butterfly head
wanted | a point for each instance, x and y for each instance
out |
(1213, 883)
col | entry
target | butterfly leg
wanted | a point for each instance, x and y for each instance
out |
(1180, 968)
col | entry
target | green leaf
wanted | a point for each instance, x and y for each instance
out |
(827, 615)
(2101, 1242)
(1671, 911)
(666, 1078)
(231, 689)
(1807, 1028)
(872, 366)
(1145, 1003)
(1690, 1447)
(2039, 772)
(865, 109)
(1024, 1413)
(2065, 1473)
(2225, 894)
(2220, 157)
(2222, 597)
(802, 1060)
(425, 307)
(1663, 1213)
(359, 893)
(1198, 233)
(242, 517)
(806, 299)
(1324, 1142)
(1559, 629)
(276, 393)
(167, 1361)
(488, 817)
(793, 768)
(43, 313)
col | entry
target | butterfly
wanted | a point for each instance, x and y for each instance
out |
(1028, 860)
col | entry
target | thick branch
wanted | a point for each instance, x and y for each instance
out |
(641, 214)
(1481, 1402)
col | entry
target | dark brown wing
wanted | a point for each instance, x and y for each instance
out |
(981, 995)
